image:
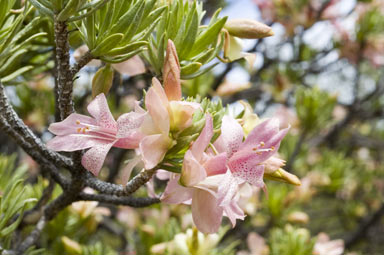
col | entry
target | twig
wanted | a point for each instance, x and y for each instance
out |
(33, 237)
(296, 151)
(119, 190)
(84, 60)
(363, 228)
(111, 199)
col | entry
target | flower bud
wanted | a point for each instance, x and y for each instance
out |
(102, 81)
(171, 73)
(247, 28)
(71, 246)
(283, 176)
(298, 217)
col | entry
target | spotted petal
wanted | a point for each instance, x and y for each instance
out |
(94, 158)
(99, 109)
(231, 134)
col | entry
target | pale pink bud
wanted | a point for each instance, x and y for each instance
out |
(171, 73)
(247, 28)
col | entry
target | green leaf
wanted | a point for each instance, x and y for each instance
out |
(190, 68)
(126, 49)
(107, 44)
(69, 10)
(191, 33)
(93, 9)
(126, 22)
(121, 58)
(42, 8)
(207, 37)
(16, 73)
(200, 72)
(102, 81)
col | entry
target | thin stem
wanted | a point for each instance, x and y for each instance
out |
(84, 60)
(33, 237)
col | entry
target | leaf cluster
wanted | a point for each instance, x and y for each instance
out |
(196, 44)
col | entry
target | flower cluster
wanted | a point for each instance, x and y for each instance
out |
(214, 170)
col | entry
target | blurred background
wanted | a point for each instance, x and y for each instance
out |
(321, 73)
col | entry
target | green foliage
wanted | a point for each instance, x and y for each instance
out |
(119, 30)
(14, 200)
(290, 241)
(314, 108)
(16, 40)
(196, 44)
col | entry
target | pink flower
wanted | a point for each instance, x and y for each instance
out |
(100, 133)
(325, 246)
(163, 116)
(201, 185)
(247, 160)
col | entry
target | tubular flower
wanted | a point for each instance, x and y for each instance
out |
(100, 133)
(247, 160)
(162, 117)
(200, 178)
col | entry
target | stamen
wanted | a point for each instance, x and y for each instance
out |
(262, 144)
(273, 148)
(78, 130)
(78, 122)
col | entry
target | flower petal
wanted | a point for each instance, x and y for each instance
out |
(127, 123)
(227, 189)
(74, 142)
(216, 164)
(128, 130)
(94, 158)
(249, 173)
(158, 109)
(99, 109)
(261, 133)
(204, 138)
(71, 124)
(153, 149)
(193, 172)
(252, 157)
(175, 193)
(128, 168)
(234, 212)
(206, 212)
(231, 134)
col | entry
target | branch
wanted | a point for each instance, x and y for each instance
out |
(111, 199)
(64, 74)
(33, 237)
(296, 151)
(119, 190)
(11, 124)
(365, 225)
(84, 60)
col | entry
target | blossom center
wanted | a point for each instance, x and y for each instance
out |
(260, 148)
(93, 131)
